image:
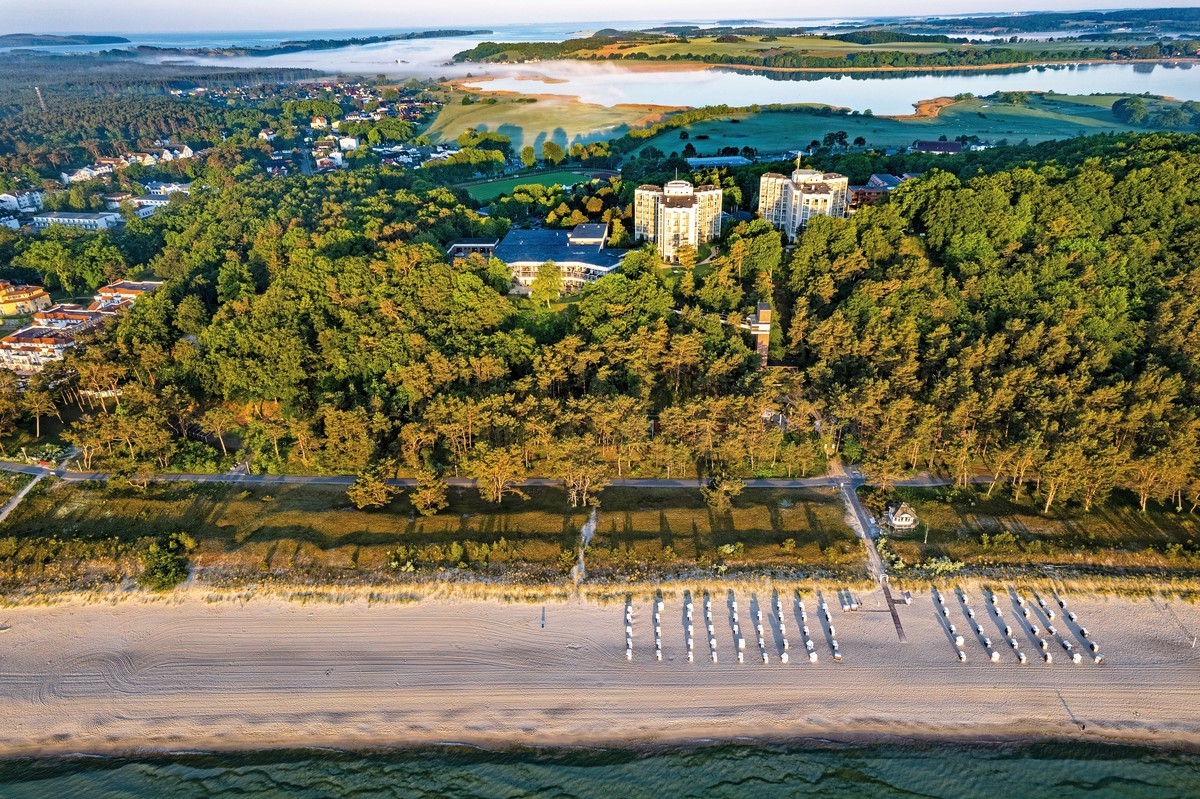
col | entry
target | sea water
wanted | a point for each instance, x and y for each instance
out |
(809, 769)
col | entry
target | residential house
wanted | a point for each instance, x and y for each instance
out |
(348, 143)
(876, 188)
(902, 517)
(113, 201)
(86, 173)
(177, 152)
(267, 134)
(156, 187)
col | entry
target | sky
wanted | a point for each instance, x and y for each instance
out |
(141, 16)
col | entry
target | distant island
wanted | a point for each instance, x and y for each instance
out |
(50, 40)
(300, 46)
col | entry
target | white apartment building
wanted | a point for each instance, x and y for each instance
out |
(789, 202)
(23, 202)
(104, 220)
(676, 214)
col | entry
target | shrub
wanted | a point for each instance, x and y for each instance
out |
(165, 562)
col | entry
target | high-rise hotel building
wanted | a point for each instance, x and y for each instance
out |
(789, 202)
(676, 214)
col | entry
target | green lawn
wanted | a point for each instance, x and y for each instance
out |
(1045, 117)
(558, 119)
(303, 531)
(485, 192)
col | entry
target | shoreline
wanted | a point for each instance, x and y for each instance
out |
(636, 65)
(195, 676)
(813, 739)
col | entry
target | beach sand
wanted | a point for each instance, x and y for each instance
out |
(185, 675)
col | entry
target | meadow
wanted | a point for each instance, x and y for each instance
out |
(1043, 118)
(562, 120)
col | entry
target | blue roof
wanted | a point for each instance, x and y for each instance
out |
(539, 246)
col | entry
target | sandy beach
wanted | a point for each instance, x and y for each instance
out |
(193, 675)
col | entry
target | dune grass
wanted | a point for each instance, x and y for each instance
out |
(74, 532)
(1109, 538)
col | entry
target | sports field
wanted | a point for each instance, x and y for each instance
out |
(484, 192)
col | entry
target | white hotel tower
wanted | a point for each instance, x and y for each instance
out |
(676, 214)
(789, 202)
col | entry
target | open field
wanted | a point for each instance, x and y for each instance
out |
(85, 534)
(484, 192)
(1045, 117)
(552, 118)
(184, 673)
(701, 46)
(1113, 536)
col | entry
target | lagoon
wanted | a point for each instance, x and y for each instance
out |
(882, 92)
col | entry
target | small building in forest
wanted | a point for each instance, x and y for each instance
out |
(902, 517)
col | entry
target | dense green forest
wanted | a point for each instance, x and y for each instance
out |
(1025, 309)
(1040, 320)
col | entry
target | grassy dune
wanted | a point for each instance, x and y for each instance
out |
(71, 532)
(1114, 536)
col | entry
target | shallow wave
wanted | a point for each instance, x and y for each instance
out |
(811, 769)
